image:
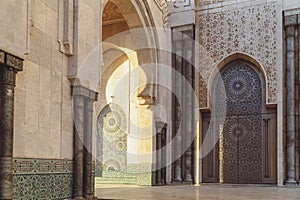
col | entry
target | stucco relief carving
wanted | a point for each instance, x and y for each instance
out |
(161, 3)
(163, 6)
(250, 30)
(181, 3)
(112, 13)
(209, 2)
(2, 57)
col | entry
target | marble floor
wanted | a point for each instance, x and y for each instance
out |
(203, 192)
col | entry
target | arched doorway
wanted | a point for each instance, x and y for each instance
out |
(124, 124)
(245, 129)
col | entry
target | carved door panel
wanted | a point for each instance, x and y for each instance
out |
(242, 149)
(247, 146)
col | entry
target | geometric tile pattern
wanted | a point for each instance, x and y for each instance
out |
(112, 139)
(42, 186)
(38, 166)
(42, 179)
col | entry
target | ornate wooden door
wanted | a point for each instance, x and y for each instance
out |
(242, 154)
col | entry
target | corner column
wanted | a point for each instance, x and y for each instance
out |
(9, 66)
(290, 30)
(88, 174)
(83, 184)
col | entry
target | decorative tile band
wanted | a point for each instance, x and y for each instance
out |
(112, 177)
(42, 178)
(136, 174)
(41, 166)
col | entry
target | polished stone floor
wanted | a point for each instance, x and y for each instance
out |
(206, 191)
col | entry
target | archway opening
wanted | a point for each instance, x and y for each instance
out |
(123, 137)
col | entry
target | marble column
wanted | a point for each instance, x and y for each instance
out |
(164, 155)
(290, 22)
(78, 114)
(183, 38)
(9, 66)
(161, 153)
(178, 114)
(158, 158)
(298, 80)
(88, 176)
(83, 99)
(188, 46)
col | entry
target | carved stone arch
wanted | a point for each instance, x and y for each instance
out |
(137, 14)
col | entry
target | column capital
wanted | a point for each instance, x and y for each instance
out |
(159, 125)
(290, 31)
(78, 90)
(9, 66)
(10, 61)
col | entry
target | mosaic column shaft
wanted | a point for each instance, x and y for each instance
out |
(290, 100)
(9, 66)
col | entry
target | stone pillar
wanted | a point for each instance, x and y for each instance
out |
(161, 153)
(189, 108)
(178, 164)
(178, 113)
(183, 62)
(78, 114)
(158, 157)
(164, 155)
(83, 99)
(9, 66)
(290, 23)
(88, 175)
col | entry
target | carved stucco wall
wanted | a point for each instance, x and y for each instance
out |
(250, 30)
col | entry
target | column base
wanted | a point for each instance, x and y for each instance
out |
(90, 196)
(188, 180)
(177, 181)
(78, 198)
(291, 182)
